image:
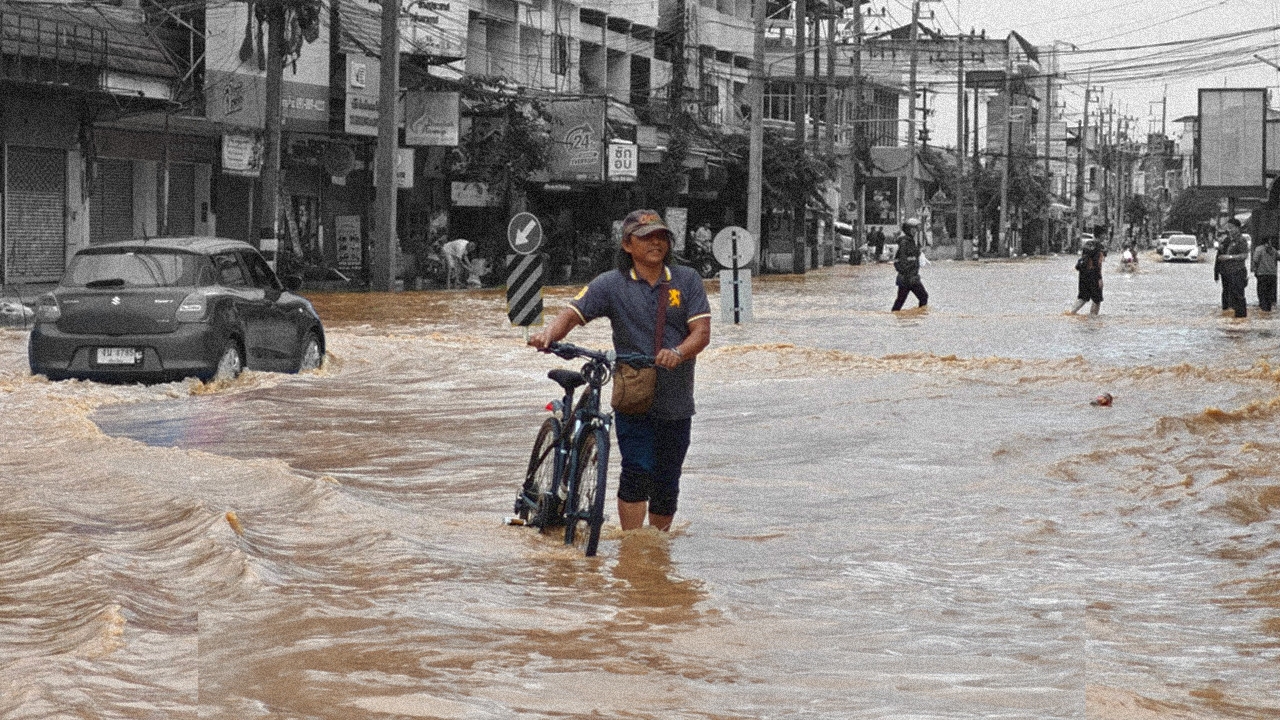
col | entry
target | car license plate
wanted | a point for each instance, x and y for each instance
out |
(118, 356)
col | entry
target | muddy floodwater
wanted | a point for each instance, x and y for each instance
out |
(917, 515)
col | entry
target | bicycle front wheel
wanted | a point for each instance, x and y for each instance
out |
(537, 503)
(587, 493)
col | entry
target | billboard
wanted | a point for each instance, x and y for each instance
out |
(1233, 146)
(236, 90)
(577, 141)
(431, 118)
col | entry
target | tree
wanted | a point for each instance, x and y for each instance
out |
(509, 138)
(791, 173)
(1191, 208)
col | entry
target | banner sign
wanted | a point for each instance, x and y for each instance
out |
(242, 154)
(346, 228)
(431, 118)
(577, 141)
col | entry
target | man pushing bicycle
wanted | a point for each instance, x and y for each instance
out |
(656, 309)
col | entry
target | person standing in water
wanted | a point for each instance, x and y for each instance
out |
(1089, 268)
(1231, 265)
(907, 263)
(1264, 269)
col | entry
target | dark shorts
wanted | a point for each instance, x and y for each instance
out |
(1089, 290)
(652, 451)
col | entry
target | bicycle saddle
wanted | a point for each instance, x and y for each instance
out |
(568, 379)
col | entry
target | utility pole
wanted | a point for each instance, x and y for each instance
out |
(269, 205)
(962, 250)
(799, 230)
(1048, 131)
(859, 129)
(383, 261)
(829, 109)
(755, 160)
(1082, 136)
(910, 194)
(1002, 240)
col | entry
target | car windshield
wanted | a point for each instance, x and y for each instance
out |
(133, 268)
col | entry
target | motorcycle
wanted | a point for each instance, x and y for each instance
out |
(701, 260)
(1129, 261)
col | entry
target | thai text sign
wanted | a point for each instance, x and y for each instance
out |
(360, 117)
(431, 118)
(624, 162)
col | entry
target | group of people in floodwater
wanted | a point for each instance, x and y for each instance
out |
(1236, 254)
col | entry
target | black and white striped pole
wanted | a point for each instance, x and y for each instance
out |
(734, 249)
(525, 271)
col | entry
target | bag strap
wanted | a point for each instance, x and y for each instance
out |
(664, 297)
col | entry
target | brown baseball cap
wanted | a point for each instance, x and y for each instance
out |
(644, 222)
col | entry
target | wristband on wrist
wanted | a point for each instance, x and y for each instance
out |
(678, 353)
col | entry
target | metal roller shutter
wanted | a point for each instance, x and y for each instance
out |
(35, 219)
(111, 202)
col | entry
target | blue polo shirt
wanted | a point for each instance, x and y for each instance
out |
(631, 304)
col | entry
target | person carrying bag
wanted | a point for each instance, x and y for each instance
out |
(653, 307)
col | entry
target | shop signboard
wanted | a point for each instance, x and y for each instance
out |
(431, 118)
(242, 154)
(347, 230)
(235, 89)
(577, 141)
(623, 161)
(436, 28)
(360, 116)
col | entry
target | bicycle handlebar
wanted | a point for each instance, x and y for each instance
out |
(569, 351)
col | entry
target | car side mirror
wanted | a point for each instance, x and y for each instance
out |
(292, 283)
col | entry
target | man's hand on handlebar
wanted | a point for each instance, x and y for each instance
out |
(668, 359)
(539, 340)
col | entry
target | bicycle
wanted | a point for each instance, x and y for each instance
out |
(559, 488)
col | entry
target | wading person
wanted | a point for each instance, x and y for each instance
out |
(1231, 265)
(1089, 268)
(1264, 269)
(907, 263)
(643, 288)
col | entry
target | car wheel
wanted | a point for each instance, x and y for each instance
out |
(312, 357)
(230, 362)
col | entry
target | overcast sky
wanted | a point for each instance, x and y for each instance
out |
(1132, 79)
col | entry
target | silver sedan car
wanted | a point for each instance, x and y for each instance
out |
(168, 308)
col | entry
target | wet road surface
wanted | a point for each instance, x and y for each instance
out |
(883, 516)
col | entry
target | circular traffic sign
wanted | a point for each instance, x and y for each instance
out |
(733, 247)
(524, 233)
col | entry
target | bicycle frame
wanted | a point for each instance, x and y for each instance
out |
(573, 422)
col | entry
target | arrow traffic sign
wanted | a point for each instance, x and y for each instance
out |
(524, 233)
